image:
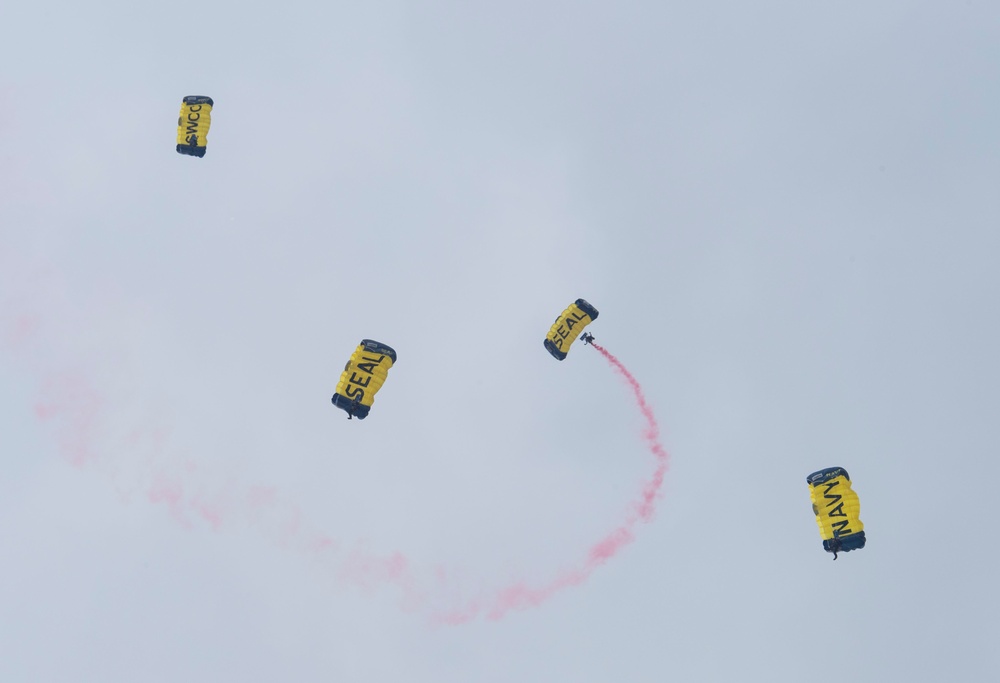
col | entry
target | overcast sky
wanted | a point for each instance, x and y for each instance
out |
(786, 213)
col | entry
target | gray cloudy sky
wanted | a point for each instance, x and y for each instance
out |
(786, 212)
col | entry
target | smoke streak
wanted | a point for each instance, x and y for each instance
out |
(91, 433)
(95, 431)
(651, 434)
(520, 595)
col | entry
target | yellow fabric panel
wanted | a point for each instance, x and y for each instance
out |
(193, 123)
(364, 375)
(567, 327)
(837, 508)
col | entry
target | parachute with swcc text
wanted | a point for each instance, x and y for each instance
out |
(837, 510)
(568, 327)
(363, 376)
(193, 125)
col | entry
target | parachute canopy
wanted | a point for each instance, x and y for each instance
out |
(837, 510)
(363, 376)
(568, 326)
(193, 125)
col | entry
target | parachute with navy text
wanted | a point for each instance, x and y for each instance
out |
(837, 510)
(568, 327)
(363, 376)
(193, 125)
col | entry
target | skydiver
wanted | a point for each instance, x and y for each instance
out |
(354, 406)
(835, 546)
(587, 338)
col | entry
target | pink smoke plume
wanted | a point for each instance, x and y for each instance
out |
(70, 400)
(83, 415)
(520, 595)
(75, 406)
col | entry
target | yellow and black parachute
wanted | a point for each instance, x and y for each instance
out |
(363, 376)
(568, 326)
(193, 125)
(837, 510)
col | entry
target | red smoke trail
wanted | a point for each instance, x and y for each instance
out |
(651, 491)
(520, 595)
(93, 433)
(36, 308)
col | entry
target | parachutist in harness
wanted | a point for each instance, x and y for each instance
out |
(354, 406)
(835, 546)
(587, 338)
